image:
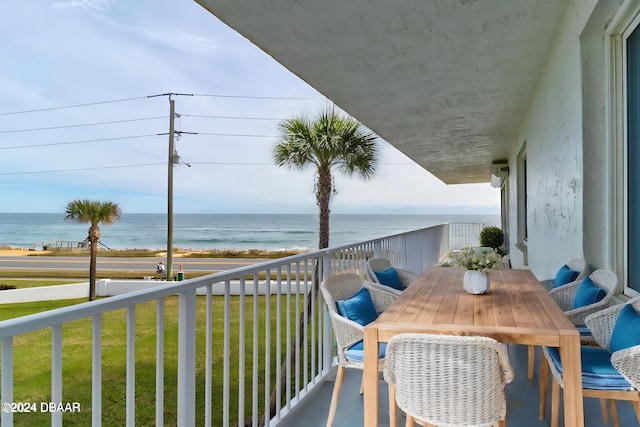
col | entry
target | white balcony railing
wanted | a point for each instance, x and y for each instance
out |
(276, 344)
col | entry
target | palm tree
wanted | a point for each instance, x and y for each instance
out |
(328, 142)
(93, 212)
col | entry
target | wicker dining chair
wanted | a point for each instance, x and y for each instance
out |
(349, 334)
(565, 297)
(405, 277)
(448, 380)
(579, 266)
(574, 270)
(607, 373)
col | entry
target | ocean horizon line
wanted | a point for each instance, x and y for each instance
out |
(219, 231)
(277, 213)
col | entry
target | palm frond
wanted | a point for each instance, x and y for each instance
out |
(330, 141)
(94, 212)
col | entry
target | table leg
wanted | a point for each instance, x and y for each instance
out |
(370, 376)
(572, 375)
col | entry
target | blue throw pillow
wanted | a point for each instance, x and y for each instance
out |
(588, 293)
(626, 332)
(389, 277)
(358, 308)
(565, 275)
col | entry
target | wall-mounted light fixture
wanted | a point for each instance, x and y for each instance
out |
(499, 171)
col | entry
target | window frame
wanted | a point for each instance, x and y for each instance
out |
(522, 210)
(624, 23)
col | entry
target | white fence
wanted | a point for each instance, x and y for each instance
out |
(278, 344)
(111, 288)
(463, 234)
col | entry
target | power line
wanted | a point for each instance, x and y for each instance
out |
(233, 163)
(157, 164)
(82, 169)
(228, 117)
(36, 110)
(261, 97)
(238, 134)
(72, 106)
(15, 147)
(77, 142)
(273, 164)
(83, 124)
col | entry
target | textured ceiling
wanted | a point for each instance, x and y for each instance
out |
(447, 82)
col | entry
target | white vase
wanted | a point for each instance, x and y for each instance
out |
(475, 282)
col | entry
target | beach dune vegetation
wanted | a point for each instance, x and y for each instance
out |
(94, 213)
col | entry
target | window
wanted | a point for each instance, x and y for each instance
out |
(522, 202)
(623, 54)
(632, 94)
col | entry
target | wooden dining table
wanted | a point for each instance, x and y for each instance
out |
(516, 310)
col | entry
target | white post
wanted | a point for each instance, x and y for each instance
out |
(7, 379)
(131, 366)
(187, 359)
(56, 373)
(160, 362)
(96, 370)
(327, 340)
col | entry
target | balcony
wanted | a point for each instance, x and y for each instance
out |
(522, 402)
(270, 311)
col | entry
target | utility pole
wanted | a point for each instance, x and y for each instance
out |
(172, 114)
(174, 159)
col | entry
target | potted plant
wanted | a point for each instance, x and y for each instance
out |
(477, 262)
(492, 237)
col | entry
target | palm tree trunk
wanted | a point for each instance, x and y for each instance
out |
(323, 197)
(302, 328)
(94, 237)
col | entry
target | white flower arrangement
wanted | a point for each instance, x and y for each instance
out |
(481, 259)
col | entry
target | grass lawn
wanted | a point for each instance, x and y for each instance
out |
(41, 277)
(22, 284)
(32, 361)
(81, 275)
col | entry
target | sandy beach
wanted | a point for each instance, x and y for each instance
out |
(178, 253)
(15, 252)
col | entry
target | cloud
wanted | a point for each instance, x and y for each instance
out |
(86, 52)
(84, 4)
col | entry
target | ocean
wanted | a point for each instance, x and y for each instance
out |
(217, 231)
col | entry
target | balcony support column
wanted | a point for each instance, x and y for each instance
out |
(187, 359)
(327, 339)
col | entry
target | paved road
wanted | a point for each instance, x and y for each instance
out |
(127, 264)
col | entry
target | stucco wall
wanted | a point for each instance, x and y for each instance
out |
(603, 242)
(554, 135)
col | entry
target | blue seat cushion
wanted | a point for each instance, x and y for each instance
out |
(588, 293)
(597, 371)
(565, 275)
(356, 351)
(389, 277)
(358, 308)
(583, 330)
(626, 332)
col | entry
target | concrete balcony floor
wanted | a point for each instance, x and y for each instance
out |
(522, 402)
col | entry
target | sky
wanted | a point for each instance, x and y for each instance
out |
(79, 118)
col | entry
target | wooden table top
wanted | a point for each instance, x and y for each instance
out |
(517, 308)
